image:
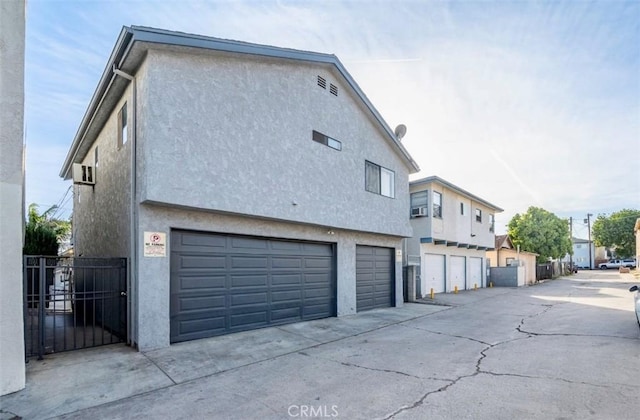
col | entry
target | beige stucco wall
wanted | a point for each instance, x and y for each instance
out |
(528, 260)
(12, 44)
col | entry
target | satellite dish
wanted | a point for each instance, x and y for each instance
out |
(400, 131)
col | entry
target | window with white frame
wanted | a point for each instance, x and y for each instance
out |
(123, 134)
(492, 223)
(437, 204)
(379, 180)
(479, 215)
(419, 202)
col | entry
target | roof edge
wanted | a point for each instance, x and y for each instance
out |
(443, 182)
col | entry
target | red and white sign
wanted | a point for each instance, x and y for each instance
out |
(155, 244)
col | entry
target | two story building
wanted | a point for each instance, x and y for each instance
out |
(248, 185)
(452, 230)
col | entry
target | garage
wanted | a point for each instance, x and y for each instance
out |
(475, 272)
(433, 273)
(457, 273)
(375, 278)
(223, 283)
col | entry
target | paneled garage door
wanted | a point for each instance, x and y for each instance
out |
(475, 272)
(226, 283)
(375, 278)
(457, 272)
(433, 273)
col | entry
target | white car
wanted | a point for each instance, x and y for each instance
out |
(628, 262)
(636, 299)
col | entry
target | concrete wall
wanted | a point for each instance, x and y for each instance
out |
(234, 134)
(508, 276)
(12, 44)
(154, 272)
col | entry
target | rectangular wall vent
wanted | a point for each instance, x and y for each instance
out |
(322, 82)
(84, 174)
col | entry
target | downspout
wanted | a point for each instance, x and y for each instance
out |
(132, 284)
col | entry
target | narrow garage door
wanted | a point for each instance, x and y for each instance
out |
(225, 283)
(457, 273)
(433, 274)
(475, 272)
(375, 278)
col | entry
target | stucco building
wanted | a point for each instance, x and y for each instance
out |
(249, 186)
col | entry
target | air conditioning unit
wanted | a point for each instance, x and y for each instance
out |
(419, 211)
(84, 174)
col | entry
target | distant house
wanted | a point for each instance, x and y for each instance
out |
(506, 255)
(452, 230)
(249, 185)
(581, 255)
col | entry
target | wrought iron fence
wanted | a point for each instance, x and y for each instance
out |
(73, 303)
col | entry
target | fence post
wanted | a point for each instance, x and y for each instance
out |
(42, 280)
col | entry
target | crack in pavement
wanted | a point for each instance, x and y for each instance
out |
(553, 379)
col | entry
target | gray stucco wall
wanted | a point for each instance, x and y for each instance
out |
(154, 272)
(12, 44)
(234, 134)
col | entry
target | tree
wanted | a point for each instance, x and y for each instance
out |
(43, 232)
(616, 231)
(541, 232)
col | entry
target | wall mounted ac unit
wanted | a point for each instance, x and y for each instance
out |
(419, 211)
(84, 174)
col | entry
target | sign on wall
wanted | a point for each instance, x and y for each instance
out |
(155, 244)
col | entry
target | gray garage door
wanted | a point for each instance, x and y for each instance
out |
(375, 278)
(226, 283)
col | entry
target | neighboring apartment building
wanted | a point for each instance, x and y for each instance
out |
(12, 44)
(249, 185)
(452, 230)
(581, 255)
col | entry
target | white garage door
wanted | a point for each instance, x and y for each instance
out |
(432, 274)
(457, 272)
(475, 272)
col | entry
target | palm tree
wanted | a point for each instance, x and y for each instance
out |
(43, 232)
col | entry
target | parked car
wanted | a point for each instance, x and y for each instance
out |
(629, 263)
(636, 299)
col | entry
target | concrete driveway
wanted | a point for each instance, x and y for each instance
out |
(565, 349)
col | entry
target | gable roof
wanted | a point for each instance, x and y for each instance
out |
(503, 241)
(438, 180)
(128, 53)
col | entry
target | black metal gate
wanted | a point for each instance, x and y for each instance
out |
(73, 303)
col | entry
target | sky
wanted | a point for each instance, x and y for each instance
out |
(520, 103)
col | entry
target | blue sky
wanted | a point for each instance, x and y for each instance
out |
(521, 103)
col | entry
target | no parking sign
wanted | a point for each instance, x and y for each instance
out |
(155, 244)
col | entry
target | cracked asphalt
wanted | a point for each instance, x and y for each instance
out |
(564, 349)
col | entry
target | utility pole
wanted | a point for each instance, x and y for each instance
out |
(571, 239)
(588, 222)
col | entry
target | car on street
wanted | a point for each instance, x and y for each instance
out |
(627, 262)
(636, 300)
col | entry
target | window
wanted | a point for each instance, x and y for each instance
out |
(492, 223)
(462, 209)
(419, 202)
(578, 246)
(437, 204)
(326, 140)
(95, 157)
(122, 126)
(379, 180)
(478, 215)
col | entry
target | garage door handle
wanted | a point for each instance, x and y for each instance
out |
(124, 293)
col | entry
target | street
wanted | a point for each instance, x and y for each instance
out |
(564, 349)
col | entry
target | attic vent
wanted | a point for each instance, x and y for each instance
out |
(333, 89)
(322, 82)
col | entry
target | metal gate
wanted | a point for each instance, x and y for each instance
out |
(73, 303)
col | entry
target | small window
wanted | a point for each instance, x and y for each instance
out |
(492, 223)
(419, 203)
(478, 215)
(437, 204)
(95, 157)
(578, 246)
(379, 180)
(326, 140)
(462, 209)
(123, 133)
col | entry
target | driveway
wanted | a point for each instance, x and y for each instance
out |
(564, 349)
